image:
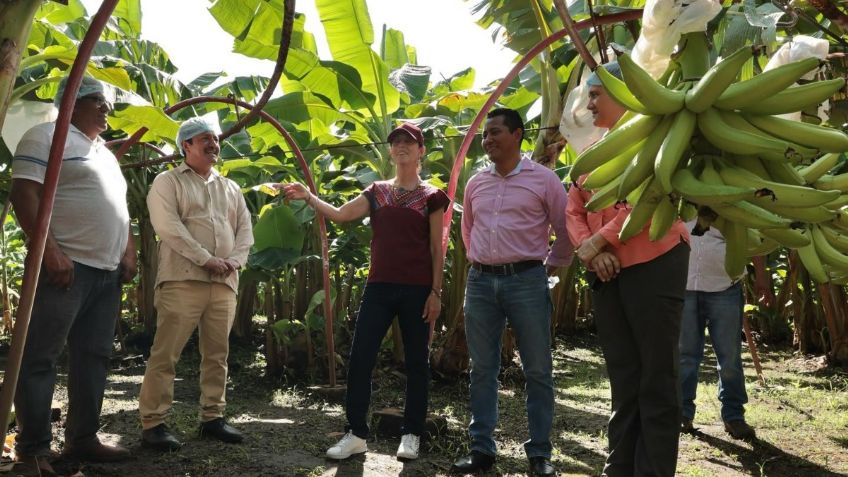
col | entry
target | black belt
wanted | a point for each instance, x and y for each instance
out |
(507, 268)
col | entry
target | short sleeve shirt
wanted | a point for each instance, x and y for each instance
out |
(90, 219)
(400, 245)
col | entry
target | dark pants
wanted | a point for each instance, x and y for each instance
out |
(381, 302)
(638, 318)
(83, 316)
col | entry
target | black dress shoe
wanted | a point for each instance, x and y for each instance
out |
(472, 463)
(541, 466)
(219, 429)
(160, 438)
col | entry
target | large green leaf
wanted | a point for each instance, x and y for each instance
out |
(337, 82)
(412, 80)
(349, 34)
(56, 13)
(255, 25)
(234, 16)
(394, 51)
(278, 227)
(132, 118)
(127, 16)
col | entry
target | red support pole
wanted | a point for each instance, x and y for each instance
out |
(37, 242)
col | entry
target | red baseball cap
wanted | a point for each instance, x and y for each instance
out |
(409, 129)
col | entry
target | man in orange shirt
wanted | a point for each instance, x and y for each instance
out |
(638, 287)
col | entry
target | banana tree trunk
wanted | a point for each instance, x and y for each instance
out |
(15, 23)
(149, 258)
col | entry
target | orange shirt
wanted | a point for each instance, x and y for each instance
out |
(582, 224)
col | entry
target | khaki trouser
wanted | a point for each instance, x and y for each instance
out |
(183, 306)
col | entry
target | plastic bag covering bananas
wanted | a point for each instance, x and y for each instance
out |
(702, 139)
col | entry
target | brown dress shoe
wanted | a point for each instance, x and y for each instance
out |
(739, 429)
(96, 451)
(39, 462)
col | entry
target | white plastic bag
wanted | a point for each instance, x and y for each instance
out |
(663, 22)
(577, 124)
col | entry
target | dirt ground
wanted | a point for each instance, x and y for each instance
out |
(801, 418)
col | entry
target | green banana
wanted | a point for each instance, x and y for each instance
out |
(819, 167)
(812, 215)
(700, 192)
(830, 182)
(656, 98)
(792, 238)
(765, 247)
(608, 171)
(687, 211)
(811, 261)
(823, 138)
(736, 249)
(786, 194)
(796, 98)
(737, 141)
(642, 166)
(836, 238)
(617, 90)
(634, 130)
(642, 211)
(752, 164)
(838, 203)
(765, 85)
(674, 145)
(603, 197)
(716, 80)
(663, 218)
(783, 172)
(828, 254)
(750, 215)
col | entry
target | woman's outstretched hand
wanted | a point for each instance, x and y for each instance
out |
(293, 190)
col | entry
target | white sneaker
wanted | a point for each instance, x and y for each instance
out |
(348, 445)
(408, 448)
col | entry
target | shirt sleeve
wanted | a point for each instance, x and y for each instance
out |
(467, 214)
(561, 250)
(162, 205)
(576, 222)
(30, 161)
(243, 231)
(611, 229)
(438, 200)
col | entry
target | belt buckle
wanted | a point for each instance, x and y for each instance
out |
(509, 268)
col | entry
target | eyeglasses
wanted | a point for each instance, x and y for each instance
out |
(99, 101)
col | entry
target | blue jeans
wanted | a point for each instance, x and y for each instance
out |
(524, 300)
(721, 313)
(84, 316)
(381, 302)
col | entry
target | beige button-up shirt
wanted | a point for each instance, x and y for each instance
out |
(197, 219)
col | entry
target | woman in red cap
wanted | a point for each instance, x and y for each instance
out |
(404, 280)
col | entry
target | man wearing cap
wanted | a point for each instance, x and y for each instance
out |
(205, 235)
(88, 254)
(509, 210)
(638, 287)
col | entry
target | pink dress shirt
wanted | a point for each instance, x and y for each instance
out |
(582, 224)
(508, 219)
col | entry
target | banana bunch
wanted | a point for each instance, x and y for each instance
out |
(699, 143)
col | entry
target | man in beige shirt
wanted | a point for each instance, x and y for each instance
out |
(205, 235)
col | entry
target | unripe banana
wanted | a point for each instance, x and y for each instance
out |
(633, 131)
(783, 172)
(642, 211)
(673, 147)
(765, 85)
(736, 249)
(829, 182)
(655, 97)
(836, 238)
(786, 194)
(823, 138)
(765, 247)
(791, 238)
(738, 121)
(796, 98)
(838, 203)
(617, 90)
(612, 169)
(750, 215)
(727, 138)
(663, 218)
(704, 193)
(811, 261)
(819, 167)
(716, 80)
(603, 197)
(642, 166)
(752, 164)
(687, 211)
(828, 254)
(810, 215)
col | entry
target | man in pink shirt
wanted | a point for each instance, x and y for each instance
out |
(509, 210)
(638, 288)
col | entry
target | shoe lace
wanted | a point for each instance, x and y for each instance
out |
(345, 440)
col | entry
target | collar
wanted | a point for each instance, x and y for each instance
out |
(213, 175)
(98, 141)
(522, 163)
